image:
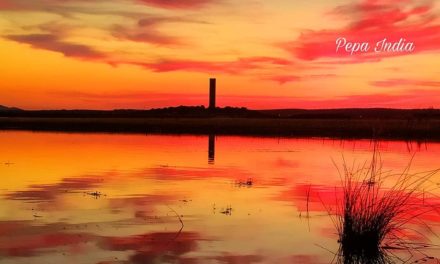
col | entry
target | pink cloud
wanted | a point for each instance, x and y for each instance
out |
(373, 22)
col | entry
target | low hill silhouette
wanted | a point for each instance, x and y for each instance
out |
(239, 112)
(7, 109)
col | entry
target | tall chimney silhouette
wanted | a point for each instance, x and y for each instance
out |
(212, 87)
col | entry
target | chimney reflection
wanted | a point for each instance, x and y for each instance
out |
(211, 149)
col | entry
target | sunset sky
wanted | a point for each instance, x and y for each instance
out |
(106, 54)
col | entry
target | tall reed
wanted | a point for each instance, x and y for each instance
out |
(375, 208)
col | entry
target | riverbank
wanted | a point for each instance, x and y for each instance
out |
(404, 129)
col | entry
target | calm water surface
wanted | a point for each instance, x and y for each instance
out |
(99, 198)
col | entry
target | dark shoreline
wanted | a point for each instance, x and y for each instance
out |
(397, 129)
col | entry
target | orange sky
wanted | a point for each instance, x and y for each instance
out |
(265, 54)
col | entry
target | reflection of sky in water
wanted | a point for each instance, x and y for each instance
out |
(50, 213)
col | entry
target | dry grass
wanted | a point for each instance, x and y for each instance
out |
(376, 208)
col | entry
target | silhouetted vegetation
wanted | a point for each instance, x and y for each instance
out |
(372, 217)
(179, 111)
(356, 113)
(201, 111)
(420, 124)
(337, 128)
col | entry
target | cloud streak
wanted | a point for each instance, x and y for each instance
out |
(283, 79)
(147, 30)
(231, 67)
(56, 44)
(405, 82)
(151, 36)
(21, 5)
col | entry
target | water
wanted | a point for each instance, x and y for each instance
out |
(99, 198)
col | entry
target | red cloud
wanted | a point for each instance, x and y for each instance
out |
(54, 43)
(374, 22)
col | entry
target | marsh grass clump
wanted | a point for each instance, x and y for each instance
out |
(374, 208)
